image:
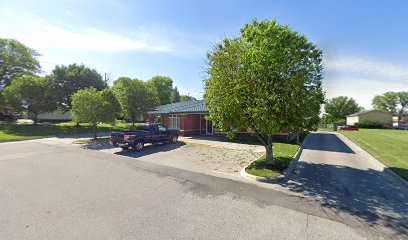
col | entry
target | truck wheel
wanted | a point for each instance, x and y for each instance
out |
(139, 146)
(173, 139)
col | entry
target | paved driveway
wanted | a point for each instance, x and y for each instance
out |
(54, 191)
(342, 177)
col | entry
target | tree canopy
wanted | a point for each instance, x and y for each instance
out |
(175, 95)
(136, 97)
(29, 93)
(16, 60)
(92, 106)
(64, 81)
(393, 102)
(185, 98)
(267, 80)
(339, 107)
(164, 88)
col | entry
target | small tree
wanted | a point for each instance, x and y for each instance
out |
(29, 93)
(339, 107)
(268, 80)
(91, 106)
(135, 96)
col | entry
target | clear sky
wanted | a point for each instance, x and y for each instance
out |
(365, 43)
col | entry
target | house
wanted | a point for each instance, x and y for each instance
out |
(400, 121)
(187, 117)
(55, 116)
(370, 115)
(190, 119)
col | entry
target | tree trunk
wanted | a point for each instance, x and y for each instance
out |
(35, 118)
(94, 128)
(297, 139)
(269, 152)
(133, 119)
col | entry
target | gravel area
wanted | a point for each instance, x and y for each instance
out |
(190, 155)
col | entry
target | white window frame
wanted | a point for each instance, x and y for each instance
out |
(174, 122)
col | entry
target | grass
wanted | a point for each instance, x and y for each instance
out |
(15, 132)
(283, 154)
(388, 146)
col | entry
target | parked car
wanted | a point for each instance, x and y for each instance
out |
(348, 128)
(144, 133)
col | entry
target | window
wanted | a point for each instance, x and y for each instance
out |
(143, 127)
(174, 122)
(162, 129)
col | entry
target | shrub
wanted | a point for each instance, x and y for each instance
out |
(340, 122)
(370, 124)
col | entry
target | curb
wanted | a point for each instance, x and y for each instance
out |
(386, 170)
(280, 179)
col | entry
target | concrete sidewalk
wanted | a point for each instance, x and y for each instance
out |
(342, 177)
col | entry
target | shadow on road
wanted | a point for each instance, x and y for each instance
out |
(151, 149)
(327, 142)
(362, 193)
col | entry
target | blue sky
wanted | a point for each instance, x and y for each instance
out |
(364, 42)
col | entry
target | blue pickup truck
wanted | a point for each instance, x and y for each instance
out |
(143, 133)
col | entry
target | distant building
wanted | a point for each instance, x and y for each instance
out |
(385, 118)
(400, 122)
(56, 116)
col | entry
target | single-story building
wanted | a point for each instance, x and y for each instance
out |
(187, 117)
(370, 115)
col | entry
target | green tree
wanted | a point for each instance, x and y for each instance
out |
(135, 96)
(109, 95)
(164, 88)
(16, 60)
(175, 95)
(339, 107)
(29, 93)
(64, 81)
(386, 102)
(92, 106)
(185, 98)
(268, 80)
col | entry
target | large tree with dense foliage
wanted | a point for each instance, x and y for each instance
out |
(393, 102)
(136, 97)
(267, 80)
(29, 93)
(64, 81)
(175, 95)
(92, 106)
(339, 107)
(164, 88)
(16, 60)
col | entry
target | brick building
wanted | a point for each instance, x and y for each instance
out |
(187, 117)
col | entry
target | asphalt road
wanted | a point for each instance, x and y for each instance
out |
(50, 190)
(343, 178)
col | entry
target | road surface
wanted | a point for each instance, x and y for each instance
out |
(344, 179)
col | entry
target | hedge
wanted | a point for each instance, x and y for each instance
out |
(370, 124)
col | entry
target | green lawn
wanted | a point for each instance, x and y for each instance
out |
(14, 132)
(388, 146)
(283, 154)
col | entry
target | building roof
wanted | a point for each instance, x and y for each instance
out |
(366, 111)
(195, 106)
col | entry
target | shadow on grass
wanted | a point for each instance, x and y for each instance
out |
(368, 194)
(403, 172)
(48, 130)
(260, 168)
